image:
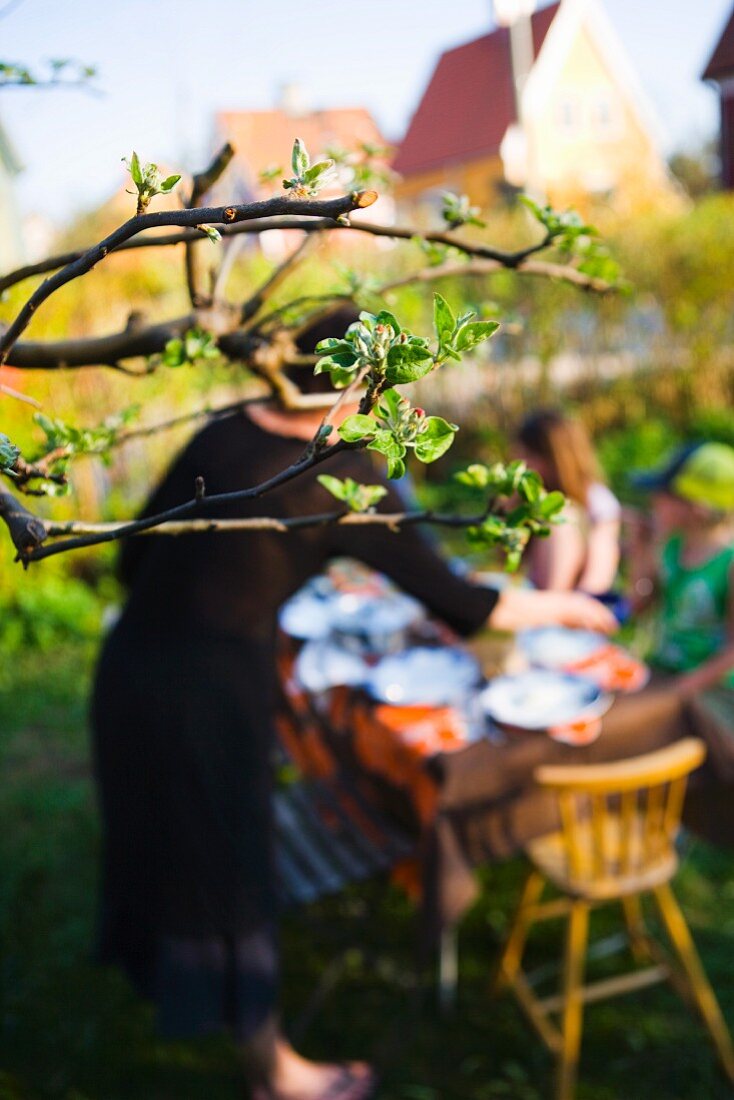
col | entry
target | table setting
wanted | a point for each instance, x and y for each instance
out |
(351, 628)
(445, 736)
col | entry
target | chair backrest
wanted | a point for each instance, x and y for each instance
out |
(619, 820)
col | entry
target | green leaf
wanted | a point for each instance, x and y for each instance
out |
(134, 168)
(333, 485)
(341, 361)
(387, 444)
(354, 428)
(210, 231)
(443, 319)
(476, 476)
(9, 453)
(300, 159)
(407, 363)
(369, 496)
(314, 174)
(168, 184)
(341, 377)
(331, 344)
(384, 317)
(391, 405)
(395, 467)
(552, 504)
(473, 333)
(531, 486)
(358, 497)
(435, 439)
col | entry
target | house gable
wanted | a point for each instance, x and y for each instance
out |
(721, 63)
(586, 130)
(588, 16)
(468, 104)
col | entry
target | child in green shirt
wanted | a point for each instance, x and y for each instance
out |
(687, 552)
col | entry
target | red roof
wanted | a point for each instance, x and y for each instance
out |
(265, 138)
(721, 63)
(469, 101)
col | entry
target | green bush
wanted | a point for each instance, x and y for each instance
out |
(47, 612)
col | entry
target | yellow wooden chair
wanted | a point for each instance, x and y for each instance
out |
(616, 843)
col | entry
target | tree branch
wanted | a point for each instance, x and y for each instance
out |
(22, 532)
(201, 184)
(26, 530)
(393, 520)
(564, 272)
(200, 216)
(307, 225)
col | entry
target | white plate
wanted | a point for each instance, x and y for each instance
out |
(558, 647)
(321, 665)
(541, 698)
(433, 677)
(305, 615)
(354, 613)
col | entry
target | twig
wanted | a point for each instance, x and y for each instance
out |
(10, 392)
(201, 184)
(99, 532)
(344, 397)
(254, 304)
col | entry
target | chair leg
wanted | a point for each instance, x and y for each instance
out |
(448, 970)
(636, 930)
(511, 957)
(573, 1005)
(700, 988)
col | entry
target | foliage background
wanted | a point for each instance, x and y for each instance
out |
(642, 371)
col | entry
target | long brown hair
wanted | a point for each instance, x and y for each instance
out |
(566, 448)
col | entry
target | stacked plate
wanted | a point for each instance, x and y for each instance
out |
(432, 677)
(586, 654)
(567, 706)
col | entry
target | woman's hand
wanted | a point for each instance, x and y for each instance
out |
(519, 608)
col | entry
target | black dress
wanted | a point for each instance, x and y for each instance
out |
(182, 725)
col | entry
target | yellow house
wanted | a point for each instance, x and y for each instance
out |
(574, 127)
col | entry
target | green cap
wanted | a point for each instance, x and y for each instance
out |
(707, 477)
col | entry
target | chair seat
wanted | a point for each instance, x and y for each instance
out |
(640, 872)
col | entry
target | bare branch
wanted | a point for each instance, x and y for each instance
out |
(200, 216)
(393, 520)
(201, 184)
(564, 272)
(26, 530)
(10, 392)
(307, 225)
(10, 508)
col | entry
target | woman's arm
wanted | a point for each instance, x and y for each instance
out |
(520, 608)
(602, 557)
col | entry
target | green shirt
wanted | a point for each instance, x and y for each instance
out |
(692, 625)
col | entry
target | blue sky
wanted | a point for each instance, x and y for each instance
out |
(165, 66)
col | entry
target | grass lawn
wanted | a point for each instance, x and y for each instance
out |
(73, 1031)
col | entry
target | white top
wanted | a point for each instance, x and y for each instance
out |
(602, 505)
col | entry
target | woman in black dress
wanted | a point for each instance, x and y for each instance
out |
(182, 720)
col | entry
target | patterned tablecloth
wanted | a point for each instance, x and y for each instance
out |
(472, 799)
